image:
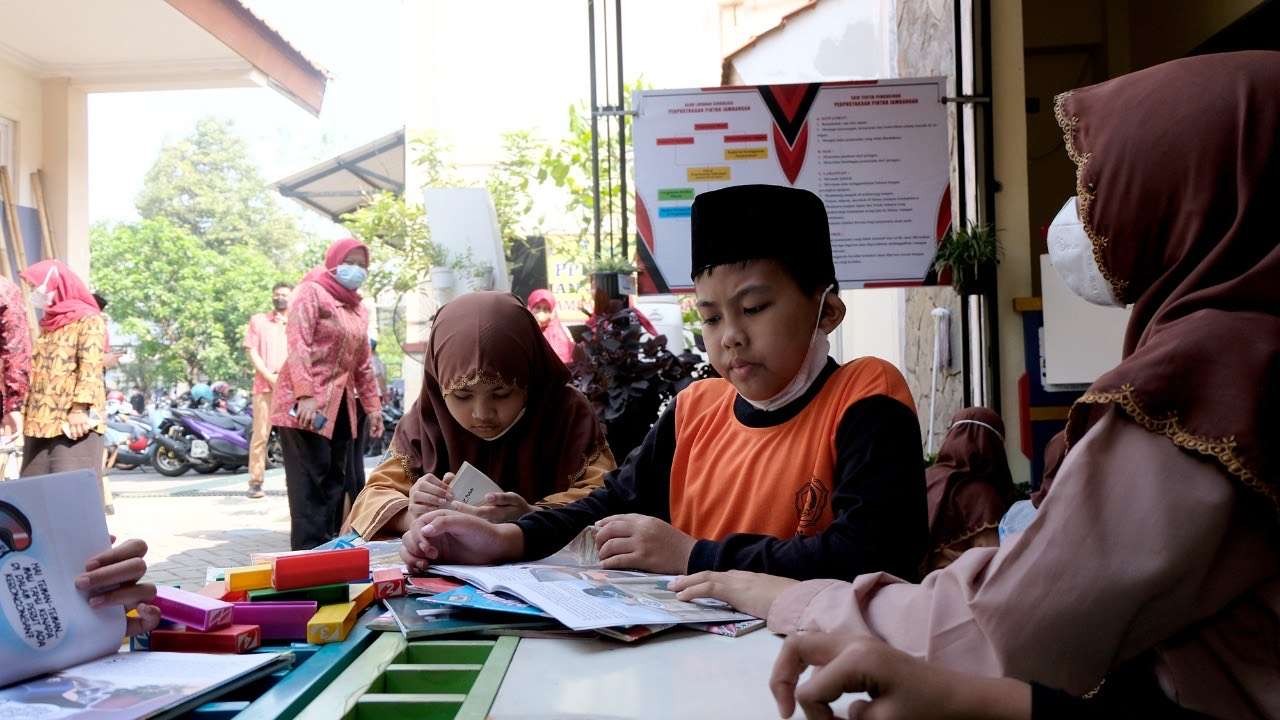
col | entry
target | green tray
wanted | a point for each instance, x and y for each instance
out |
(427, 680)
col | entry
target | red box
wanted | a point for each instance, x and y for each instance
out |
(327, 567)
(388, 582)
(232, 639)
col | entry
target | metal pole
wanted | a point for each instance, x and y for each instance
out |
(595, 136)
(622, 128)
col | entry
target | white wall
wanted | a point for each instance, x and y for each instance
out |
(835, 40)
(873, 325)
(21, 102)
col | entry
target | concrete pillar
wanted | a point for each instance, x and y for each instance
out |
(65, 140)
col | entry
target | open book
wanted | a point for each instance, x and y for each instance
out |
(49, 528)
(572, 587)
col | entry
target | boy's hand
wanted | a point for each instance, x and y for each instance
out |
(497, 507)
(111, 578)
(901, 687)
(444, 536)
(748, 592)
(640, 542)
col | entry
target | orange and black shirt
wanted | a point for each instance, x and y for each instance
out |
(829, 486)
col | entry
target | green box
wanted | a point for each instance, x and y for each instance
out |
(447, 652)
(675, 194)
(323, 594)
(408, 707)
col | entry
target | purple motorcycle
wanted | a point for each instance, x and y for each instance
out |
(205, 441)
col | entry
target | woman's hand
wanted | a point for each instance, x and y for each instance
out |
(307, 407)
(13, 424)
(748, 592)
(111, 578)
(375, 425)
(77, 423)
(901, 687)
(429, 493)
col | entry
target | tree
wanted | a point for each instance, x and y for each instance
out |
(207, 184)
(511, 183)
(187, 304)
(568, 165)
(399, 242)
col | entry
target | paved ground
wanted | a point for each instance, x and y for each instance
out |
(197, 521)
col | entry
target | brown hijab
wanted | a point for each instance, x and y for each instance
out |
(492, 336)
(1178, 178)
(969, 487)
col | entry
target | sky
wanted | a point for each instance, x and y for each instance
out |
(358, 44)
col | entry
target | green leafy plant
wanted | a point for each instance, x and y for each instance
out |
(399, 240)
(970, 253)
(612, 264)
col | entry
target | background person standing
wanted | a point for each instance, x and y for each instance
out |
(268, 346)
(66, 407)
(314, 404)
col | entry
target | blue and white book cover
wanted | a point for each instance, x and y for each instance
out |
(472, 598)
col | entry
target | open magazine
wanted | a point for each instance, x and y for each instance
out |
(49, 528)
(572, 587)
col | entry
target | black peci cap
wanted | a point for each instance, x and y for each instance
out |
(763, 222)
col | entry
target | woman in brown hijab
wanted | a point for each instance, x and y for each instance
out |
(1154, 555)
(969, 487)
(495, 395)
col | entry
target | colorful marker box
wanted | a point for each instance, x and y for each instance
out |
(320, 568)
(231, 639)
(321, 594)
(251, 577)
(388, 582)
(279, 621)
(193, 610)
(331, 623)
(363, 595)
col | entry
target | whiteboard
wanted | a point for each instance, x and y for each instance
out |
(1081, 340)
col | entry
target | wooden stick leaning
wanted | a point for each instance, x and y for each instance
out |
(46, 230)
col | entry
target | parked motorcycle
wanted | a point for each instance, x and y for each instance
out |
(134, 446)
(206, 441)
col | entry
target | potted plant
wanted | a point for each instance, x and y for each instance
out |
(628, 378)
(613, 276)
(969, 255)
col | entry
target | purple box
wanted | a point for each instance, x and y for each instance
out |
(278, 620)
(197, 612)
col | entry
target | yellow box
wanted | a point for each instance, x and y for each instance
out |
(363, 595)
(707, 174)
(331, 623)
(249, 577)
(749, 153)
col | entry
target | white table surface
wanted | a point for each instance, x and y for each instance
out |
(679, 674)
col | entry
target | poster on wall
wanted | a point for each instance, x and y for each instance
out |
(875, 151)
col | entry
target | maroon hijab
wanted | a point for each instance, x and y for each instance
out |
(492, 336)
(969, 487)
(1178, 177)
(323, 276)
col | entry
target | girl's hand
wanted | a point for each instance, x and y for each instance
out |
(901, 687)
(748, 592)
(430, 493)
(497, 507)
(111, 578)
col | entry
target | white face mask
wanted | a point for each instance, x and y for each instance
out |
(814, 361)
(41, 298)
(1071, 254)
(508, 428)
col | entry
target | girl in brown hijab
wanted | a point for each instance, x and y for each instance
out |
(1154, 556)
(969, 487)
(494, 395)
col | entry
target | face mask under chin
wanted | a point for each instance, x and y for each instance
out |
(1071, 254)
(815, 360)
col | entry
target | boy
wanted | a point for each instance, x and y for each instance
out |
(790, 465)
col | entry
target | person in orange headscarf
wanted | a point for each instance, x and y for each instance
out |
(314, 403)
(64, 417)
(542, 303)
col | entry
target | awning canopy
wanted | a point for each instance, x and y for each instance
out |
(128, 45)
(338, 186)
